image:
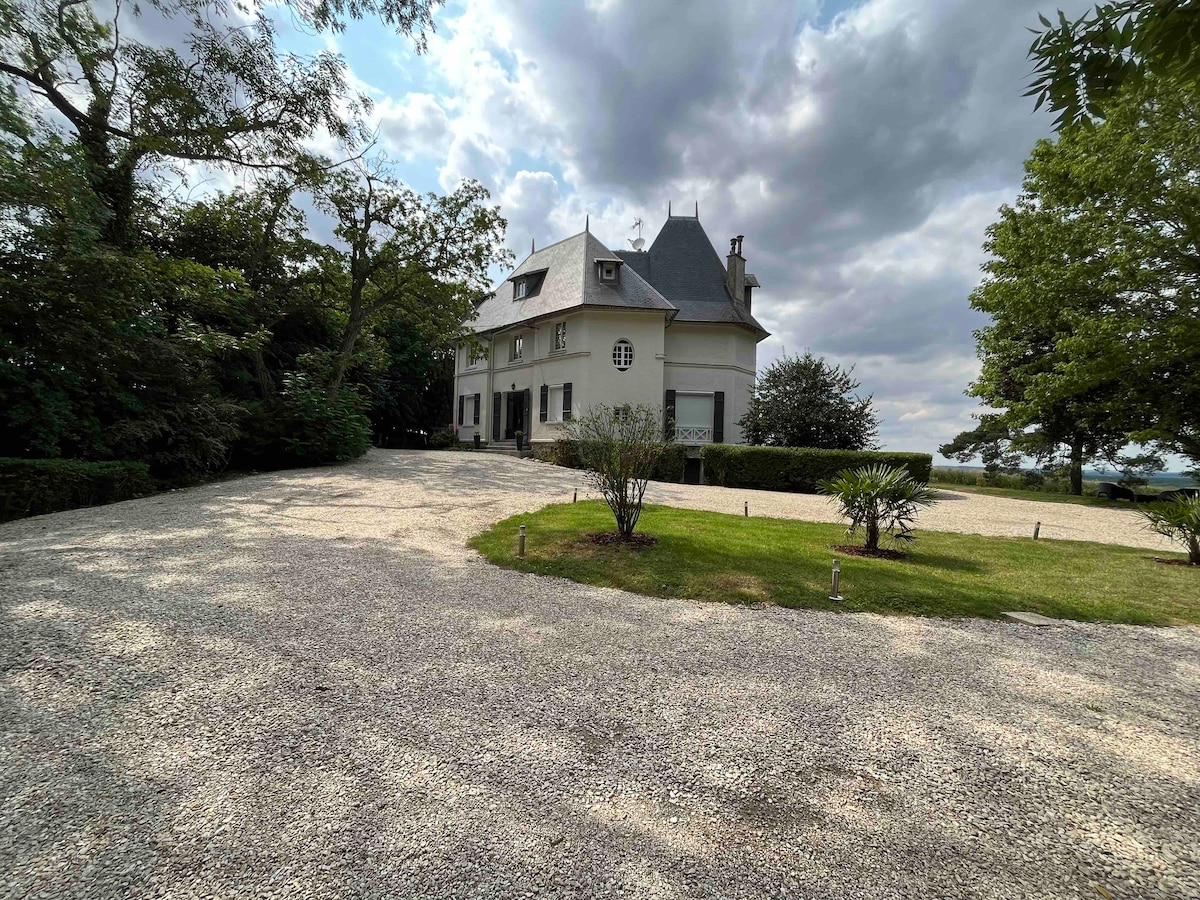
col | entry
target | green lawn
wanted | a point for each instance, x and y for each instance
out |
(1042, 496)
(713, 556)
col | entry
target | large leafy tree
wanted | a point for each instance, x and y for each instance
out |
(803, 401)
(135, 326)
(1082, 64)
(104, 353)
(222, 94)
(1092, 287)
(423, 256)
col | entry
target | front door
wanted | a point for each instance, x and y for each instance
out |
(514, 421)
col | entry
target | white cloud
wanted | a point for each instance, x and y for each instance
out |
(862, 159)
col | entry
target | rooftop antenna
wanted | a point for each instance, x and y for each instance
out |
(638, 242)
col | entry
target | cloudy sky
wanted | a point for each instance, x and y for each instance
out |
(861, 148)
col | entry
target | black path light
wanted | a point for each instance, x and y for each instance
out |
(521, 543)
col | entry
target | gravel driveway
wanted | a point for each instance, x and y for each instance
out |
(301, 685)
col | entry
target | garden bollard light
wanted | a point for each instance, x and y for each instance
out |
(575, 496)
(1037, 526)
(837, 578)
(746, 509)
(521, 543)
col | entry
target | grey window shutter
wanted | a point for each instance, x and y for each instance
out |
(669, 408)
(528, 417)
(566, 401)
(719, 417)
(544, 401)
(461, 400)
(496, 416)
(476, 422)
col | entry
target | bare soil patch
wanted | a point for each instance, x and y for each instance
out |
(855, 550)
(635, 541)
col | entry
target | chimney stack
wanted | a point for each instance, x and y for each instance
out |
(735, 269)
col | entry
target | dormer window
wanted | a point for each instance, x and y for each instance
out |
(522, 287)
(608, 271)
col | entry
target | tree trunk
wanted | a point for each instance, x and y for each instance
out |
(1077, 468)
(266, 384)
(113, 182)
(872, 533)
(345, 352)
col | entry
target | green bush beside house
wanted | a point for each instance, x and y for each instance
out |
(670, 466)
(798, 469)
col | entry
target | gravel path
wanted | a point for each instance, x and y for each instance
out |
(956, 511)
(301, 685)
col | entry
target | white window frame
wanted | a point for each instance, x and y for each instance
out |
(522, 289)
(606, 266)
(516, 349)
(623, 343)
(560, 337)
(474, 361)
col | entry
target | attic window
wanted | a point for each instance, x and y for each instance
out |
(608, 272)
(520, 288)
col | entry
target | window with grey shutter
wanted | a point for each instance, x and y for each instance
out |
(544, 403)
(476, 422)
(496, 416)
(566, 402)
(669, 411)
(719, 417)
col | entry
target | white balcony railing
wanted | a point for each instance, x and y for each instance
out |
(693, 434)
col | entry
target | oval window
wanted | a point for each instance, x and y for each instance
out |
(622, 354)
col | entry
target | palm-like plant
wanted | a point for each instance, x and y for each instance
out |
(881, 500)
(1178, 520)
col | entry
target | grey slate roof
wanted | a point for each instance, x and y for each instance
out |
(686, 269)
(569, 282)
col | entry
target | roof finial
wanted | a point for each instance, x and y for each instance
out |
(668, 209)
(697, 209)
(587, 220)
(532, 246)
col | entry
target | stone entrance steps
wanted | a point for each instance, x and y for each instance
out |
(504, 448)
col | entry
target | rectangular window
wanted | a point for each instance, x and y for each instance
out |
(518, 344)
(560, 336)
(608, 271)
(693, 418)
(521, 288)
(474, 358)
(468, 416)
(554, 403)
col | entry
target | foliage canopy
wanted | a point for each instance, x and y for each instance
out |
(802, 401)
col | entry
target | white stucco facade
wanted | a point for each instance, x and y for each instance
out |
(580, 327)
(694, 359)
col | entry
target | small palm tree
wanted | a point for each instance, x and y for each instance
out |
(1178, 520)
(881, 500)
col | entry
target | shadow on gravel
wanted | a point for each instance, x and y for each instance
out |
(221, 703)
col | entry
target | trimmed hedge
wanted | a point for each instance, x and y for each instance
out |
(797, 469)
(563, 453)
(31, 487)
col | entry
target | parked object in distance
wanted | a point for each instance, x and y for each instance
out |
(1109, 490)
